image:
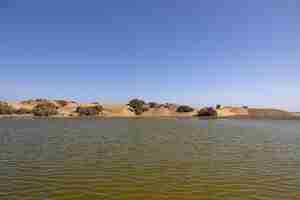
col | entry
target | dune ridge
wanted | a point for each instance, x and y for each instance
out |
(69, 109)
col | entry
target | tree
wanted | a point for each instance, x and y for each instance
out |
(184, 108)
(62, 103)
(23, 111)
(218, 106)
(89, 110)
(207, 112)
(138, 106)
(45, 109)
(153, 105)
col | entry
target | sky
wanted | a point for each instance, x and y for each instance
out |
(197, 52)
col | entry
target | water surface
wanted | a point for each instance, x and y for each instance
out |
(155, 159)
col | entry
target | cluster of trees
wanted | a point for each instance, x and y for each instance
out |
(89, 110)
(61, 103)
(33, 101)
(139, 106)
(23, 111)
(6, 109)
(166, 105)
(45, 109)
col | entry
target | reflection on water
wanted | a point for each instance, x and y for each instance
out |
(155, 159)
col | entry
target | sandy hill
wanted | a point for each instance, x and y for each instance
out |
(232, 111)
(68, 109)
(119, 110)
(269, 113)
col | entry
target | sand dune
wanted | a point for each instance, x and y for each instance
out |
(68, 109)
(269, 113)
(231, 111)
(119, 110)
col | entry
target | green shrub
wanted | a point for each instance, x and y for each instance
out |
(184, 108)
(45, 109)
(170, 106)
(23, 111)
(207, 112)
(61, 103)
(138, 106)
(6, 109)
(153, 105)
(41, 100)
(218, 106)
(89, 110)
(34, 101)
(99, 108)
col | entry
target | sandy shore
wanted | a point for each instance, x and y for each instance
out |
(125, 111)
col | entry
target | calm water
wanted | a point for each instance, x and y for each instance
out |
(151, 159)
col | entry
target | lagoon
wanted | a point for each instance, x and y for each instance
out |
(149, 158)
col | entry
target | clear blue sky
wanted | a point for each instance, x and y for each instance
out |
(199, 52)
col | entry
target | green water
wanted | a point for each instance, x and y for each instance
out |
(149, 159)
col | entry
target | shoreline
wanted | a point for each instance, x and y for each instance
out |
(135, 109)
(241, 117)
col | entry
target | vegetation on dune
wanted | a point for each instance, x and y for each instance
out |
(95, 103)
(6, 109)
(170, 106)
(139, 106)
(207, 112)
(89, 110)
(184, 108)
(23, 111)
(32, 101)
(153, 105)
(61, 103)
(45, 109)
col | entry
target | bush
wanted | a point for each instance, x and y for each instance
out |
(34, 101)
(89, 110)
(62, 103)
(95, 103)
(45, 109)
(245, 107)
(170, 106)
(184, 108)
(23, 111)
(218, 106)
(99, 108)
(6, 109)
(153, 105)
(40, 100)
(138, 106)
(207, 112)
